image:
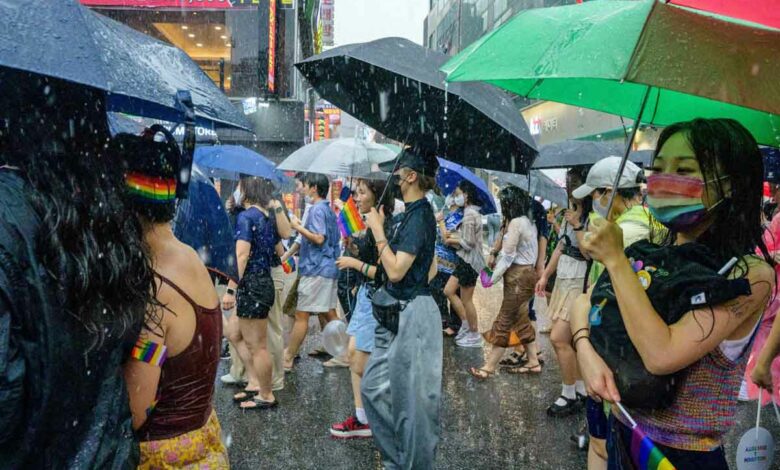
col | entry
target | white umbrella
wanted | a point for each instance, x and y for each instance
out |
(338, 157)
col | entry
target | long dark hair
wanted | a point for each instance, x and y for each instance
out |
(470, 191)
(723, 147)
(377, 187)
(514, 203)
(90, 244)
(257, 190)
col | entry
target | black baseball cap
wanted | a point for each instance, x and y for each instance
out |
(424, 163)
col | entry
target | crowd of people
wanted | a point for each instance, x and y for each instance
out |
(110, 345)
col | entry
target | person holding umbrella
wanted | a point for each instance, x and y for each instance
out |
(401, 385)
(707, 179)
(468, 241)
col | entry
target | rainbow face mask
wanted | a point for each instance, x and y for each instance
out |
(675, 201)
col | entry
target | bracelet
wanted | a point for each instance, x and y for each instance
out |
(578, 229)
(574, 342)
(368, 268)
(381, 251)
(574, 335)
(362, 267)
(378, 242)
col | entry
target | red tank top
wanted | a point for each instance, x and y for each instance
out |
(187, 379)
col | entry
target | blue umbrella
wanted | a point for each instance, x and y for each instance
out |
(139, 74)
(450, 174)
(230, 161)
(202, 223)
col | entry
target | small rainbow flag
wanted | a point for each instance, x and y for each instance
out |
(289, 265)
(152, 188)
(350, 221)
(644, 453)
(149, 352)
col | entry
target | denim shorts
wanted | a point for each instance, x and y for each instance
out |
(362, 324)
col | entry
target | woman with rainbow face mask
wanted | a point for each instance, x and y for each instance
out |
(706, 189)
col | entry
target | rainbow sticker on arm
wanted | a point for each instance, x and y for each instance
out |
(151, 188)
(350, 221)
(149, 352)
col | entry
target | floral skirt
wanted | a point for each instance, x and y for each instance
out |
(199, 449)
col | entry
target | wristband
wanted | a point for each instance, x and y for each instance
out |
(578, 331)
(579, 229)
(231, 291)
(279, 210)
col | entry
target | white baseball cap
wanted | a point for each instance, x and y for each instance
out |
(603, 173)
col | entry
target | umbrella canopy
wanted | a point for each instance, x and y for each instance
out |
(231, 161)
(450, 174)
(394, 86)
(570, 153)
(140, 74)
(339, 157)
(756, 11)
(202, 223)
(541, 185)
(623, 57)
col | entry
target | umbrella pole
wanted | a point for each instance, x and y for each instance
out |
(628, 150)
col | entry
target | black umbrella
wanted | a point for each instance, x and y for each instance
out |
(540, 185)
(140, 75)
(570, 153)
(395, 86)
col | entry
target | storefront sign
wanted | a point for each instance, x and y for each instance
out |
(171, 4)
(287, 5)
(271, 46)
(326, 14)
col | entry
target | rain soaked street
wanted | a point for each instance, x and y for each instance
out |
(500, 423)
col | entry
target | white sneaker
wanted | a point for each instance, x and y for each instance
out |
(471, 340)
(228, 379)
(463, 331)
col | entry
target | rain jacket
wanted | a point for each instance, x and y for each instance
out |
(62, 404)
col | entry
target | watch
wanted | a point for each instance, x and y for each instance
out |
(279, 210)
(231, 291)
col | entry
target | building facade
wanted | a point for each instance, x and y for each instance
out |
(247, 47)
(451, 25)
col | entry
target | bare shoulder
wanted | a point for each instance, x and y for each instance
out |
(184, 267)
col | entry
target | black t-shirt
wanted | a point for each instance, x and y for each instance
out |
(416, 234)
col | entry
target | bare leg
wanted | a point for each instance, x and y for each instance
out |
(597, 454)
(297, 335)
(560, 336)
(236, 339)
(357, 364)
(255, 333)
(467, 296)
(493, 357)
(450, 290)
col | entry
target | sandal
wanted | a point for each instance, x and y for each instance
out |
(245, 395)
(258, 403)
(536, 369)
(481, 374)
(514, 360)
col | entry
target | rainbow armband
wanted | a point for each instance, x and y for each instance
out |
(149, 352)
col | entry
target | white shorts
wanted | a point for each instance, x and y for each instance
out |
(317, 294)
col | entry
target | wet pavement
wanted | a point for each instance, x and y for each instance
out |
(499, 423)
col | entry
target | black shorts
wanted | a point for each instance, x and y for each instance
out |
(255, 296)
(597, 420)
(466, 275)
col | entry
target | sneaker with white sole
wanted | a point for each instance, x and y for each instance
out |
(471, 340)
(228, 379)
(463, 331)
(349, 429)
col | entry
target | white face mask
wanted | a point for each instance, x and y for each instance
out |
(308, 199)
(459, 200)
(600, 208)
(448, 201)
(237, 196)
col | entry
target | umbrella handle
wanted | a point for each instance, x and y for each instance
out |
(628, 150)
(184, 102)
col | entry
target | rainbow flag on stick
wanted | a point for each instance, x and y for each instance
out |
(289, 265)
(350, 221)
(644, 453)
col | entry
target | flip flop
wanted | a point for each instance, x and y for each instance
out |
(245, 395)
(260, 404)
(481, 374)
(537, 369)
(514, 360)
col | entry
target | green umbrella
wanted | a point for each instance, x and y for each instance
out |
(625, 57)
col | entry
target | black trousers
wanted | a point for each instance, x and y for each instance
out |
(448, 317)
(348, 279)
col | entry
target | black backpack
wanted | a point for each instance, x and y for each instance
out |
(677, 279)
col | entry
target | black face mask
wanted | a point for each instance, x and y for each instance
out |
(394, 186)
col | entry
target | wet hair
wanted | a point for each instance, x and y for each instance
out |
(319, 181)
(257, 190)
(89, 242)
(723, 147)
(470, 191)
(514, 203)
(426, 183)
(377, 188)
(580, 172)
(153, 155)
(300, 176)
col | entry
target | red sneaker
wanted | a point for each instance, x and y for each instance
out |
(351, 428)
